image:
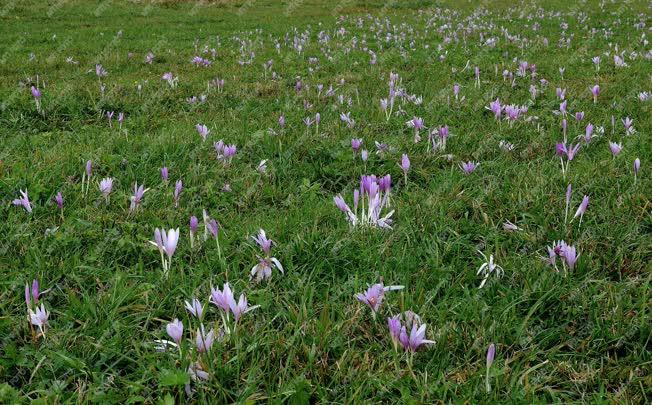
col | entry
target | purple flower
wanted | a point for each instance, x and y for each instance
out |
(222, 299)
(262, 241)
(615, 148)
(178, 188)
(569, 253)
(595, 91)
(364, 155)
(39, 318)
(637, 165)
(495, 108)
(32, 292)
(106, 186)
(204, 340)
(194, 224)
(374, 295)
(175, 330)
(263, 270)
(164, 173)
(588, 133)
(58, 199)
(355, 144)
(196, 308)
(23, 201)
(491, 353)
(582, 208)
(579, 116)
(415, 339)
(100, 71)
(405, 163)
(202, 130)
(137, 198)
(572, 151)
(166, 242)
(36, 93)
(213, 227)
(469, 167)
(394, 325)
(89, 168)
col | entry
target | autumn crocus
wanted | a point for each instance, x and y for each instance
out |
(178, 187)
(588, 133)
(106, 186)
(595, 91)
(469, 167)
(374, 295)
(405, 165)
(637, 167)
(569, 193)
(263, 270)
(195, 308)
(488, 267)
(355, 144)
(137, 197)
(164, 174)
(166, 242)
(491, 353)
(32, 293)
(36, 93)
(175, 330)
(417, 124)
(204, 340)
(615, 148)
(203, 131)
(39, 318)
(582, 208)
(374, 200)
(23, 201)
(86, 176)
(194, 224)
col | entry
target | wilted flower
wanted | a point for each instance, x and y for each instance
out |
(23, 201)
(488, 267)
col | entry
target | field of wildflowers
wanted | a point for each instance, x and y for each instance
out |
(310, 201)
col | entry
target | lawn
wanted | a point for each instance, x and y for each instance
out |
(260, 115)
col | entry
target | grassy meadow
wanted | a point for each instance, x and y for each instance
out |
(127, 85)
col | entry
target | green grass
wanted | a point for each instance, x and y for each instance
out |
(581, 337)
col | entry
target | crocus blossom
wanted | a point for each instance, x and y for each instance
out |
(374, 295)
(263, 270)
(175, 330)
(23, 201)
(374, 200)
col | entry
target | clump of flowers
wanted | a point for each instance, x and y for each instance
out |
(567, 253)
(374, 194)
(37, 315)
(263, 270)
(408, 332)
